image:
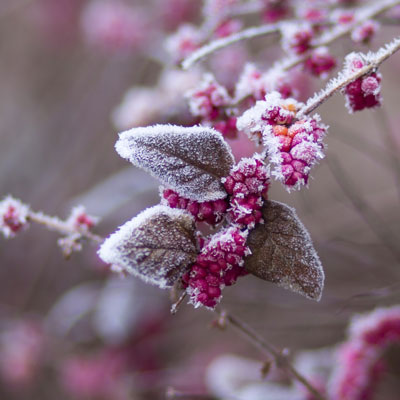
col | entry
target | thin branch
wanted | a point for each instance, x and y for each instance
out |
(362, 14)
(342, 80)
(268, 349)
(56, 224)
(377, 225)
(391, 143)
(226, 41)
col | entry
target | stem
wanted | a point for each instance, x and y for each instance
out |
(268, 349)
(226, 41)
(391, 144)
(362, 14)
(55, 224)
(342, 80)
(369, 215)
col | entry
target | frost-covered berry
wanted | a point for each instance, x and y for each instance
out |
(275, 10)
(207, 99)
(13, 216)
(247, 185)
(228, 27)
(80, 220)
(364, 92)
(211, 212)
(183, 42)
(365, 32)
(227, 128)
(320, 63)
(219, 264)
(342, 17)
(264, 114)
(297, 37)
(254, 84)
(360, 364)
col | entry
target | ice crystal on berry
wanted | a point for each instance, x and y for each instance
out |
(211, 212)
(247, 184)
(207, 99)
(364, 92)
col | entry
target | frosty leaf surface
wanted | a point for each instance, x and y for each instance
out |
(191, 161)
(156, 246)
(283, 253)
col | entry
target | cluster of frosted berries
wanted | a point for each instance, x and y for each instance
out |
(13, 216)
(219, 264)
(296, 38)
(360, 364)
(293, 145)
(320, 63)
(183, 42)
(364, 92)
(255, 85)
(211, 212)
(206, 100)
(364, 32)
(274, 10)
(247, 185)
(79, 220)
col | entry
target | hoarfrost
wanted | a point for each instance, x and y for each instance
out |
(191, 161)
(283, 253)
(156, 246)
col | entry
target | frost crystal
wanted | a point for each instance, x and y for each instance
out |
(282, 252)
(191, 161)
(156, 246)
(219, 264)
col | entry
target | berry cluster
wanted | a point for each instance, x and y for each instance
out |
(364, 92)
(211, 212)
(293, 146)
(274, 10)
(247, 185)
(81, 221)
(360, 363)
(297, 37)
(219, 264)
(364, 32)
(209, 101)
(13, 216)
(320, 63)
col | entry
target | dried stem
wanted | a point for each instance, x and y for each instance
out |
(392, 146)
(269, 350)
(224, 42)
(55, 224)
(342, 80)
(362, 14)
(375, 222)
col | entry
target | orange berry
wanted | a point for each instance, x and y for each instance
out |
(280, 130)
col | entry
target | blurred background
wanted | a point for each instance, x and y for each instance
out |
(70, 328)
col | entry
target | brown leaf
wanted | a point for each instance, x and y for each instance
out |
(191, 161)
(157, 245)
(283, 253)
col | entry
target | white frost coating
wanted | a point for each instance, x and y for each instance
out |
(192, 160)
(156, 246)
(14, 209)
(364, 323)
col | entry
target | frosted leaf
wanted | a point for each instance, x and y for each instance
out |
(282, 252)
(155, 246)
(191, 161)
